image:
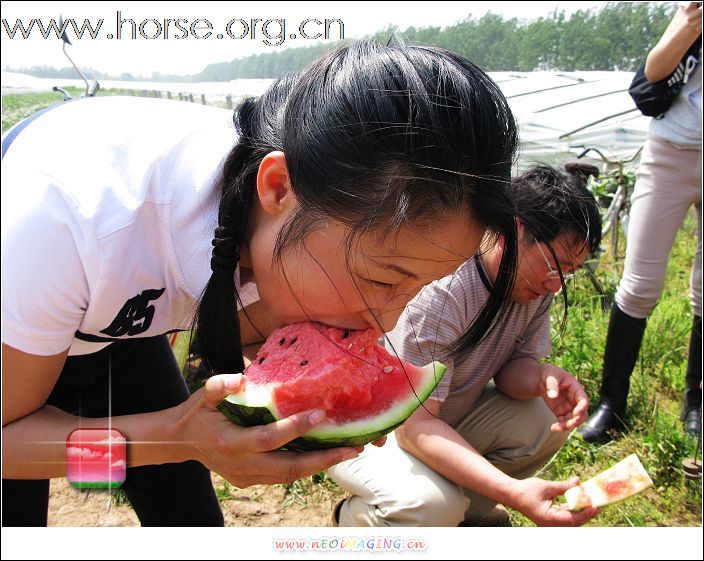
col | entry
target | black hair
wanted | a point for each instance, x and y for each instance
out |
(406, 133)
(550, 203)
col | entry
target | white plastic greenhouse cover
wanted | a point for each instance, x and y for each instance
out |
(561, 113)
(557, 112)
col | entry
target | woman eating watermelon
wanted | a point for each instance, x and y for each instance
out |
(336, 197)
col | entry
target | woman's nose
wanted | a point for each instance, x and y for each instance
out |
(384, 320)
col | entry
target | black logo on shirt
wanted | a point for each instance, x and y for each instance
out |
(136, 315)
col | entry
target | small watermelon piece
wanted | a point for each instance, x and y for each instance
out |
(620, 481)
(365, 391)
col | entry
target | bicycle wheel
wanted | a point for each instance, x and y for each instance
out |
(614, 237)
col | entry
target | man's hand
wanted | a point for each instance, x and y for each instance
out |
(536, 500)
(565, 397)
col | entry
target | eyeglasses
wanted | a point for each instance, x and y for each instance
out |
(552, 272)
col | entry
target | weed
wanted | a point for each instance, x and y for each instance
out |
(297, 492)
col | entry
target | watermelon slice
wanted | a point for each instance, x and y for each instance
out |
(365, 391)
(619, 482)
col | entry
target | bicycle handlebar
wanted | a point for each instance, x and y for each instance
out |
(93, 87)
(606, 160)
(582, 170)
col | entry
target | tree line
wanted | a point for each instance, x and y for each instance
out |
(616, 36)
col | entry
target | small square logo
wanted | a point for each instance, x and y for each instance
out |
(96, 458)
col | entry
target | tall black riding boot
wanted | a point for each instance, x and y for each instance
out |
(692, 412)
(622, 346)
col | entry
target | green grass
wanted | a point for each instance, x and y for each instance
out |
(226, 492)
(303, 490)
(17, 106)
(119, 497)
(654, 402)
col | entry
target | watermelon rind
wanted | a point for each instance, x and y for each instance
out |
(255, 407)
(630, 476)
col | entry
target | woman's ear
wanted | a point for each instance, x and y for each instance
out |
(501, 240)
(273, 184)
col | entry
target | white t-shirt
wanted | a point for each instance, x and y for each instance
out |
(682, 123)
(108, 212)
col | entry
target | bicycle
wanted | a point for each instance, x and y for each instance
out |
(615, 217)
(617, 212)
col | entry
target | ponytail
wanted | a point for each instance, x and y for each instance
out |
(216, 322)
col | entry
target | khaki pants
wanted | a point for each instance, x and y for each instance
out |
(668, 183)
(391, 487)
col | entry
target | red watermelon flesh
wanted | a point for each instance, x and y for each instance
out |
(346, 373)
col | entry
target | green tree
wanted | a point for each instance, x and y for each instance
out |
(617, 36)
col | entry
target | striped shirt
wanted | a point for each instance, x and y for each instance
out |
(443, 311)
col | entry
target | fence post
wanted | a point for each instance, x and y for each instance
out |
(228, 100)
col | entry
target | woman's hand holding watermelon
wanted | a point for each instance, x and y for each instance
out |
(249, 456)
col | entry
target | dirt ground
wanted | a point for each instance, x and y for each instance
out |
(303, 504)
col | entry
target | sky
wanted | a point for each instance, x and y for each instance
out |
(184, 47)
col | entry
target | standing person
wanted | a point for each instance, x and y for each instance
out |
(668, 183)
(321, 204)
(499, 413)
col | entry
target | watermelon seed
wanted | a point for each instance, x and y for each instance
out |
(349, 347)
(294, 340)
(388, 369)
(303, 363)
(283, 340)
(346, 335)
(261, 360)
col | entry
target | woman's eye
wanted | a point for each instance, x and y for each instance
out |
(379, 284)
